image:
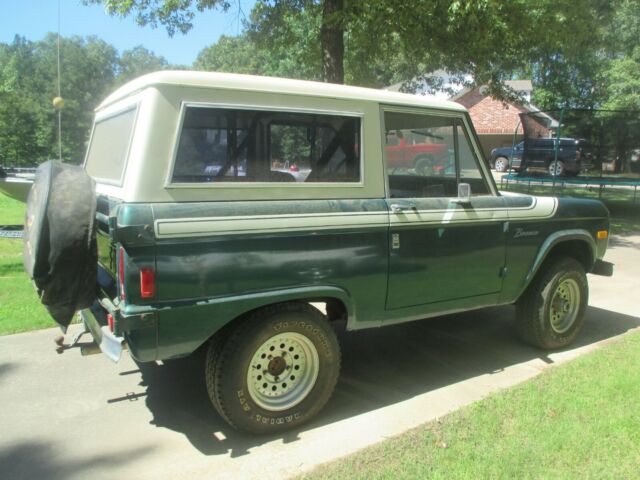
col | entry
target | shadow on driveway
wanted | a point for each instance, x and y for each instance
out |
(40, 460)
(380, 367)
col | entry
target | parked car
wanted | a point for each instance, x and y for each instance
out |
(419, 153)
(165, 255)
(573, 156)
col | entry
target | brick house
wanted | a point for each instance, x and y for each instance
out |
(495, 121)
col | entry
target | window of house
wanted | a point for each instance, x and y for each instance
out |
(231, 145)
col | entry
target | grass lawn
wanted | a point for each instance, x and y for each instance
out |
(579, 420)
(19, 307)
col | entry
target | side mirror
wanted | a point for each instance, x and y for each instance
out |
(464, 194)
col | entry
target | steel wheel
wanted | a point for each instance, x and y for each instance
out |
(275, 369)
(551, 311)
(564, 306)
(283, 371)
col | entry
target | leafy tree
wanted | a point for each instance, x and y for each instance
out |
(233, 55)
(138, 61)
(354, 41)
(28, 84)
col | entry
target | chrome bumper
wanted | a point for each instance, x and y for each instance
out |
(95, 319)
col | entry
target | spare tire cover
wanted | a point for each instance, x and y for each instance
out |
(60, 252)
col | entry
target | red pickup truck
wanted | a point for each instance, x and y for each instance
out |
(422, 157)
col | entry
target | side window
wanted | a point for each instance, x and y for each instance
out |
(109, 147)
(469, 170)
(424, 163)
(230, 145)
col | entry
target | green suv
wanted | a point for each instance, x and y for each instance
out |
(253, 217)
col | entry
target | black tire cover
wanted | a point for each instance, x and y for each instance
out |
(60, 252)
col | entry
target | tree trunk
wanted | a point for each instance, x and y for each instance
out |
(332, 41)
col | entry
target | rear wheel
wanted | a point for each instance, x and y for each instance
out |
(275, 370)
(551, 312)
(501, 164)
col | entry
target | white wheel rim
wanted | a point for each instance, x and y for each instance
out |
(564, 306)
(282, 371)
(555, 169)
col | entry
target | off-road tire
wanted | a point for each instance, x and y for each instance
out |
(60, 251)
(534, 308)
(230, 369)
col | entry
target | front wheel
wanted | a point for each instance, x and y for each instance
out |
(551, 312)
(275, 370)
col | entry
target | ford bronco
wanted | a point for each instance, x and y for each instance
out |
(251, 217)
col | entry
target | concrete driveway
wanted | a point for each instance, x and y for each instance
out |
(64, 416)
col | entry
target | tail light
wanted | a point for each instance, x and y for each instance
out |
(147, 283)
(121, 255)
(110, 322)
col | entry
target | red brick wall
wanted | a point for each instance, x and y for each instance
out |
(495, 121)
(490, 116)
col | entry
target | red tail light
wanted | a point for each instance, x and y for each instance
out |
(147, 283)
(110, 321)
(121, 271)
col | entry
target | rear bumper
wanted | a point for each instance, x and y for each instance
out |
(95, 319)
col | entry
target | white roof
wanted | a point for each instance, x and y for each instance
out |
(233, 81)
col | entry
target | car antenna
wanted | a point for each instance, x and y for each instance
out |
(58, 102)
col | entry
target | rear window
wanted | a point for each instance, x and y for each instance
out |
(109, 147)
(232, 145)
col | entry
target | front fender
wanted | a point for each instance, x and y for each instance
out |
(553, 241)
(184, 328)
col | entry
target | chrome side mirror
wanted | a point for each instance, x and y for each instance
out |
(464, 194)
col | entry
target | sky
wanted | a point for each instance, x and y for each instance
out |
(34, 18)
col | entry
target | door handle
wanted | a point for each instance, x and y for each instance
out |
(396, 208)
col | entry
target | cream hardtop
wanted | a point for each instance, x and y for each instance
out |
(231, 81)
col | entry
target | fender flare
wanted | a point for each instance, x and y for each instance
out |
(208, 316)
(556, 238)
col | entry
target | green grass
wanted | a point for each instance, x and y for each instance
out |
(11, 211)
(578, 420)
(20, 310)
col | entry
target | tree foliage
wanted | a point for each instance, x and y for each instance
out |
(90, 69)
(138, 61)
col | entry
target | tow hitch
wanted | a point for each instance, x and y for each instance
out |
(86, 349)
